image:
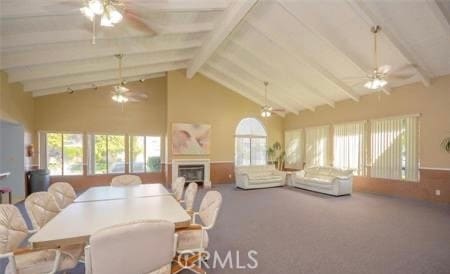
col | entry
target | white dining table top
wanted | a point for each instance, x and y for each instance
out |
(99, 193)
(78, 221)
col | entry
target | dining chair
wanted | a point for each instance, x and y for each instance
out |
(178, 180)
(126, 180)
(41, 208)
(145, 246)
(189, 196)
(63, 193)
(178, 189)
(193, 240)
(13, 231)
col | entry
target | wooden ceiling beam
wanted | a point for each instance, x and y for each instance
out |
(255, 85)
(231, 84)
(92, 78)
(338, 48)
(231, 17)
(37, 8)
(94, 65)
(273, 84)
(394, 39)
(303, 59)
(262, 67)
(64, 52)
(78, 87)
(52, 37)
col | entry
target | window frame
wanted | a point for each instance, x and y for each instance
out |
(91, 154)
(250, 137)
(130, 154)
(43, 151)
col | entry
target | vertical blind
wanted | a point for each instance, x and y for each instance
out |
(411, 149)
(349, 146)
(394, 148)
(293, 142)
(316, 146)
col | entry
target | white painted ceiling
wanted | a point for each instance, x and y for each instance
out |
(309, 51)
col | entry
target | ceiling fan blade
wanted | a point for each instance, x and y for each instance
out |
(136, 22)
(137, 95)
(354, 78)
(384, 69)
(279, 110)
(134, 100)
(400, 76)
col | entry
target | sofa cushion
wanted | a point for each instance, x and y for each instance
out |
(265, 178)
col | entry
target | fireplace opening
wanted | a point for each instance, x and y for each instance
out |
(192, 173)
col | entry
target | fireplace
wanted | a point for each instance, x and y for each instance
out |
(192, 173)
(193, 170)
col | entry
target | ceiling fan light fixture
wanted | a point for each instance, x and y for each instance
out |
(375, 83)
(88, 13)
(266, 113)
(96, 6)
(106, 21)
(119, 98)
(114, 15)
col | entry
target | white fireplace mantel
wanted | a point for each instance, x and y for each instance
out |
(179, 162)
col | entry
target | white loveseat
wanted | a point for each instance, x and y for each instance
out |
(248, 177)
(327, 180)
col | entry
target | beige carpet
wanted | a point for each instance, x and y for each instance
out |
(296, 231)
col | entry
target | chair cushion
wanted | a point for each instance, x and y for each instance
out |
(42, 261)
(191, 239)
(13, 229)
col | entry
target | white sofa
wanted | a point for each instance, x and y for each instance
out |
(249, 177)
(328, 180)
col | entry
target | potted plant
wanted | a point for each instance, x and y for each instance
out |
(276, 155)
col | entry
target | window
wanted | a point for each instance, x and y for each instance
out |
(349, 147)
(145, 154)
(316, 146)
(293, 142)
(250, 143)
(107, 154)
(63, 153)
(394, 148)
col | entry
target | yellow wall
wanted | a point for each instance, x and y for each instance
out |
(432, 102)
(94, 111)
(15, 105)
(204, 101)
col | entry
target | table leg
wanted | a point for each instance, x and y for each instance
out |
(9, 196)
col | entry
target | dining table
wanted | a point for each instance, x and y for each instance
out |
(101, 207)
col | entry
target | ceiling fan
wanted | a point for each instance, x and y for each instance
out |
(120, 93)
(111, 13)
(267, 110)
(379, 77)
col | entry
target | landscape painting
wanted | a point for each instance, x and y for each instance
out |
(191, 139)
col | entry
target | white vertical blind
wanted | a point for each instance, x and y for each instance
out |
(349, 146)
(293, 142)
(394, 148)
(411, 151)
(316, 146)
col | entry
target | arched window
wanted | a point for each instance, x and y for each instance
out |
(251, 143)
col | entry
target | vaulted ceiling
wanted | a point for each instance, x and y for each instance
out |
(311, 52)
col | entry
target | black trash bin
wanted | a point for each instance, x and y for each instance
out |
(38, 180)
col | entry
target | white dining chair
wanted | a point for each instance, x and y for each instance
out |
(41, 208)
(178, 180)
(194, 239)
(126, 180)
(13, 231)
(145, 246)
(178, 189)
(189, 196)
(63, 193)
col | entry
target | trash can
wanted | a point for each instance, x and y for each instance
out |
(38, 180)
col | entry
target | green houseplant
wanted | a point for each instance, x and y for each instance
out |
(276, 155)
